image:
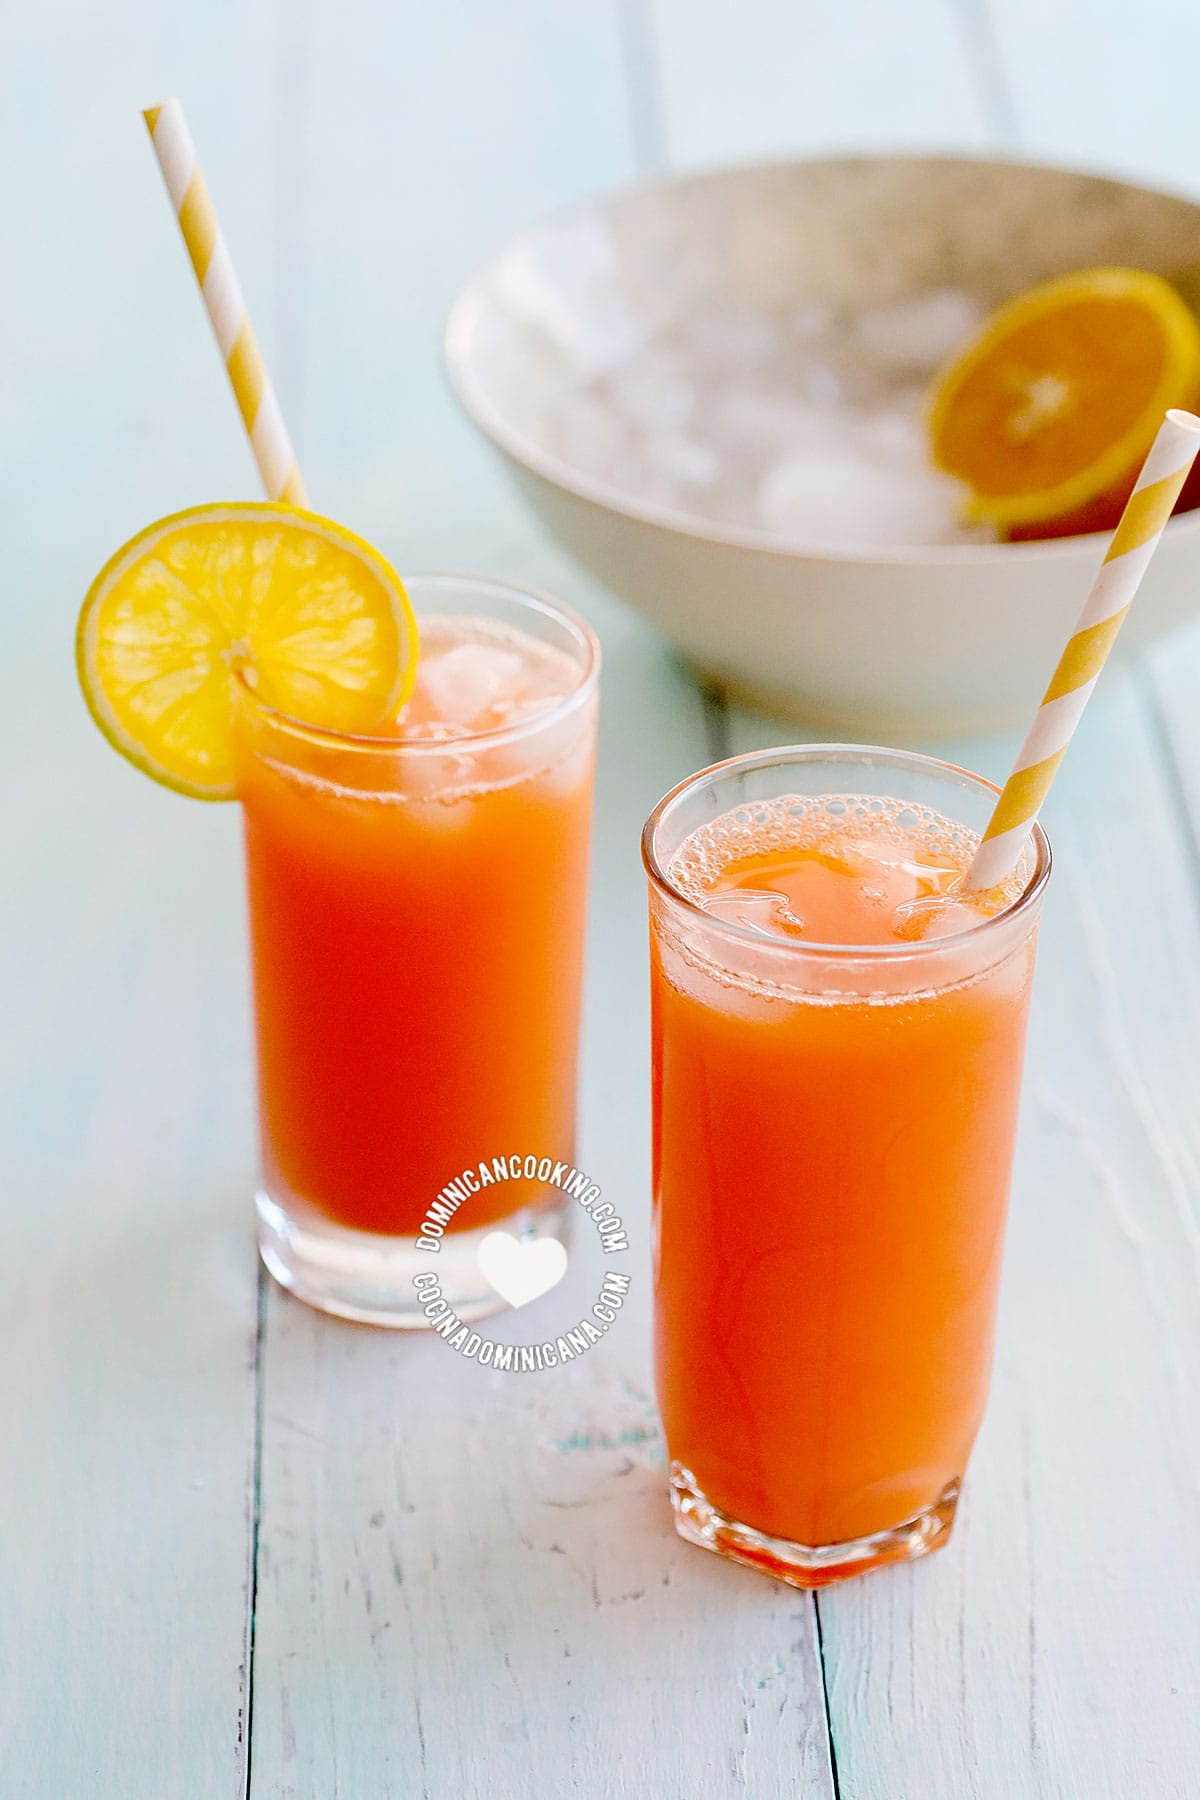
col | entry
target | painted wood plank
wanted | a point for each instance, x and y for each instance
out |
(1114, 94)
(490, 118)
(781, 80)
(466, 1584)
(1172, 674)
(471, 1585)
(117, 401)
(1050, 1650)
(127, 1288)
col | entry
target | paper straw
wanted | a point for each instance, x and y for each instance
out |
(223, 299)
(1133, 544)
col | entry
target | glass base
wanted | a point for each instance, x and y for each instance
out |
(807, 1565)
(361, 1276)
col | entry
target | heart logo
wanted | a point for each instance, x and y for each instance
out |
(520, 1271)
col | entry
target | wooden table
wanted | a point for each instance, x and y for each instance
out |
(244, 1548)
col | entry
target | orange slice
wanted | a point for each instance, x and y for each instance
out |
(1049, 414)
(317, 620)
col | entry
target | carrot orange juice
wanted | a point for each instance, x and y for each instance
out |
(837, 1046)
(417, 918)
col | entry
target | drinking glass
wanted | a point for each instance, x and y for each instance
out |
(417, 916)
(833, 1138)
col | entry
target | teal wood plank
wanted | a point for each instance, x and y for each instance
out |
(1050, 1649)
(786, 80)
(471, 1585)
(1113, 93)
(421, 156)
(127, 1297)
(1172, 674)
(127, 1288)
(466, 1586)
(1006, 1666)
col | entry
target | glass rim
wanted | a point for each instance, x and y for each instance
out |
(801, 947)
(469, 742)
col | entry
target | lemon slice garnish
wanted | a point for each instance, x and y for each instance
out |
(316, 618)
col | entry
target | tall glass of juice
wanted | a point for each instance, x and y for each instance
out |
(417, 904)
(837, 1048)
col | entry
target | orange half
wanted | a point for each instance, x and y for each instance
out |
(1050, 412)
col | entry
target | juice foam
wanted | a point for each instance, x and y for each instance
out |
(837, 869)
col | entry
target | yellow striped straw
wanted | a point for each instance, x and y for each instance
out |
(1133, 544)
(223, 299)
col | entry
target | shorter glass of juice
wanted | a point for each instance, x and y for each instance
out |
(417, 904)
(837, 1047)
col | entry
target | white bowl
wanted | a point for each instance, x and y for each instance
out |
(882, 643)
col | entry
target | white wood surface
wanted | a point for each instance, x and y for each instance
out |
(1102, 88)
(454, 1586)
(470, 1586)
(127, 1286)
(1059, 1622)
(779, 79)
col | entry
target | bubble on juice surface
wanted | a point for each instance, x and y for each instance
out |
(692, 964)
(895, 850)
(877, 841)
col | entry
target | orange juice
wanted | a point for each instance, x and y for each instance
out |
(416, 919)
(837, 1046)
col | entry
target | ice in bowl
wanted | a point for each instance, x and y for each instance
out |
(806, 425)
(713, 391)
